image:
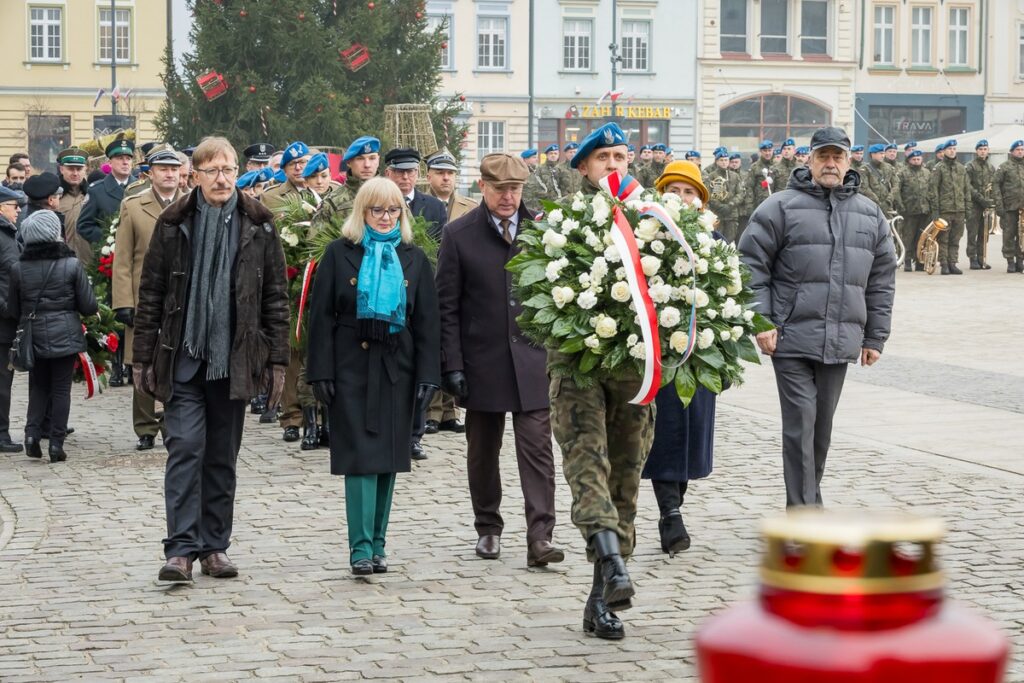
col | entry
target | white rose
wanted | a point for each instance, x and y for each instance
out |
(292, 239)
(647, 229)
(678, 341)
(555, 217)
(110, 239)
(638, 351)
(586, 300)
(562, 295)
(701, 298)
(718, 266)
(584, 279)
(632, 339)
(660, 294)
(611, 254)
(711, 313)
(679, 293)
(721, 291)
(658, 247)
(592, 342)
(733, 261)
(650, 265)
(705, 250)
(620, 273)
(606, 327)
(593, 241)
(602, 212)
(640, 244)
(669, 317)
(748, 316)
(703, 239)
(726, 335)
(681, 267)
(553, 239)
(599, 268)
(702, 266)
(734, 287)
(554, 269)
(737, 332)
(578, 204)
(620, 292)
(569, 225)
(706, 338)
(105, 251)
(707, 220)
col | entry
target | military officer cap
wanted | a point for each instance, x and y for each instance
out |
(608, 135)
(910, 145)
(735, 155)
(362, 145)
(442, 160)
(147, 147)
(645, 148)
(914, 153)
(9, 195)
(72, 156)
(1015, 144)
(247, 180)
(402, 158)
(660, 147)
(120, 146)
(188, 151)
(876, 148)
(317, 163)
(163, 154)
(830, 136)
(260, 152)
(528, 153)
(857, 148)
(42, 185)
(890, 146)
(766, 144)
(293, 152)
(631, 147)
(981, 143)
(503, 170)
(790, 142)
(803, 150)
(571, 145)
(551, 148)
(939, 147)
(721, 152)
(950, 142)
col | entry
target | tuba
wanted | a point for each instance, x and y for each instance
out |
(718, 191)
(989, 220)
(901, 249)
(928, 245)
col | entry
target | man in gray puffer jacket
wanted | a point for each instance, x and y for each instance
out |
(824, 271)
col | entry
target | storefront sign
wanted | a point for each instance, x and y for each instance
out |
(629, 111)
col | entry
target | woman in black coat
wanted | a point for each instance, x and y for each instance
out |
(374, 357)
(50, 281)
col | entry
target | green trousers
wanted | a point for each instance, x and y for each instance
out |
(367, 507)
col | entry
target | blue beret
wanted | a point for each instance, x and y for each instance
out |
(571, 145)
(294, 151)
(280, 176)
(790, 142)
(608, 135)
(857, 148)
(877, 148)
(777, 152)
(645, 148)
(981, 143)
(265, 175)
(660, 147)
(246, 180)
(951, 142)
(668, 150)
(890, 146)
(721, 152)
(766, 144)
(910, 145)
(914, 153)
(551, 148)
(735, 155)
(693, 153)
(318, 162)
(631, 148)
(360, 146)
(803, 150)
(941, 146)
(527, 153)
(1015, 144)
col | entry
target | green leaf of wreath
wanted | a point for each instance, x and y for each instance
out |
(712, 356)
(710, 378)
(686, 385)
(747, 351)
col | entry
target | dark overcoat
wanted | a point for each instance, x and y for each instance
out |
(505, 371)
(375, 385)
(102, 199)
(684, 438)
(433, 211)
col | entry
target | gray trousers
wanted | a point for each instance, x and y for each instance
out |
(808, 393)
(202, 432)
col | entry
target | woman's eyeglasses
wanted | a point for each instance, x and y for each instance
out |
(379, 211)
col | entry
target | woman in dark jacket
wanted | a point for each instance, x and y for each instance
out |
(683, 437)
(50, 281)
(374, 357)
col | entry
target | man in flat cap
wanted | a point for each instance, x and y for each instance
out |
(293, 162)
(257, 155)
(139, 214)
(490, 367)
(103, 199)
(543, 183)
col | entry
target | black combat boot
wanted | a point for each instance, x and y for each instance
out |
(945, 269)
(597, 618)
(955, 269)
(325, 429)
(975, 264)
(310, 436)
(908, 266)
(1011, 265)
(618, 589)
(1020, 265)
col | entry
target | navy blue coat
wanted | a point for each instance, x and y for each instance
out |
(103, 199)
(432, 209)
(684, 438)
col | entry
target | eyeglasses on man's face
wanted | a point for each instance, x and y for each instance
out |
(229, 172)
(379, 211)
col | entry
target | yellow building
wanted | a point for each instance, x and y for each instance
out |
(58, 56)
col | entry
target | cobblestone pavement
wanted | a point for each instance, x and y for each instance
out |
(80, 545)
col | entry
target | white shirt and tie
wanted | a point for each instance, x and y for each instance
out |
(507, 227)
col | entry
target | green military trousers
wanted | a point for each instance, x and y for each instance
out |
(605, 441)
(367, 509)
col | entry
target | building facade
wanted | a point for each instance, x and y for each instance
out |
(59, 55)
(1003, 67)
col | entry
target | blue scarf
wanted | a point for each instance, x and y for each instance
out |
(380, 294)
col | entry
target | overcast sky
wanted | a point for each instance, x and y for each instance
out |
(182, 20)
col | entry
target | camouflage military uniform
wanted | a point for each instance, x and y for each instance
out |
(859, 167)
(912, 201)
(605, 441)
(1008, 191)
(542, 184)
(881, 180)
(783, 169)
(339, 200)
(724, 189)
(755, 191)
(950, 195)
(568, 179)
(650, 172)
(980, 174)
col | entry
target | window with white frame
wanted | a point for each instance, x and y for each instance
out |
(490, 137)
(733, 35)
(115, 35)
(443, 22)
(491, 42)
(958, 33)
(45, 26)
(814, 27)
(775, 26)
(920, 36)
(576, 40)
(885, 34)
(636, 46)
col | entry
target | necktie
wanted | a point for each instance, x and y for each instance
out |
(408, 201)
(505, 234)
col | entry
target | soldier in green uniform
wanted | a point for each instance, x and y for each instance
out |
(530, 157)
(604, 438)
(889, 155)
(980, 173)
(723, 188)
(930, 164)
(857, 164)
(631, 156)
(802, 155)
(741, 202)
(543, 182)
(785, 164)
(912, 201)
(293, 161)
(568, 178)
(950, 197)
(654, 168)
(1008, 191)
(880, 177)
(715, 154)
(361, 161)
(760, 181)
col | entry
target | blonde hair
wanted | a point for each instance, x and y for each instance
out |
(376, 192)
(210, 147)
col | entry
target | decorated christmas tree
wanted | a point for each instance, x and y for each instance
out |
(314, 70)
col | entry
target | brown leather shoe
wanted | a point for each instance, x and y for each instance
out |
(176, 570)
(218, 566)
(542, 553)
(489, 547)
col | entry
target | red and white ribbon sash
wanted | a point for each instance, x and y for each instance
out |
(307, 278)
(89, 372)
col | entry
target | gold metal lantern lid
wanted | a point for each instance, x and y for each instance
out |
(851, 552)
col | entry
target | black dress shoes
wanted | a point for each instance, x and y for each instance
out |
(146, 442)
(380, 564)
(218, 566)
(32, 447)
(8, 446)
(452, 426)
(489, 547)
(362, 567)
(291, 434)
(269, 416)
(416, 451)
(542, 553)
(57, 453)
(432, 427)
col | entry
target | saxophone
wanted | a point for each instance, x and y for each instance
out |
(928, 245)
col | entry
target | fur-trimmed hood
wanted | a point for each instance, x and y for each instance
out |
(46, 251)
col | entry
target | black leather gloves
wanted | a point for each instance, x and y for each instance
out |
(125, 316)
(455, 384)
(323, 390)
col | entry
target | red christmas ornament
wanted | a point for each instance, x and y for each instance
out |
(419, 15)
(302, 16)
(243, 13)
(462, 98)
(212, 84)
(356, 56)
(444, 45)
(252, 88)
(370, 5)
(319, 108)
(366, 100)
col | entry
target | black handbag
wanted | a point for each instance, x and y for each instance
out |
(22, 356)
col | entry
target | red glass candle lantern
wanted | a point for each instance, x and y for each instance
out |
(850, 598)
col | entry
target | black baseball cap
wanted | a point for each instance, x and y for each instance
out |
(830, 136)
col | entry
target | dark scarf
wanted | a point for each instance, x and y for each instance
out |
(207, 321)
